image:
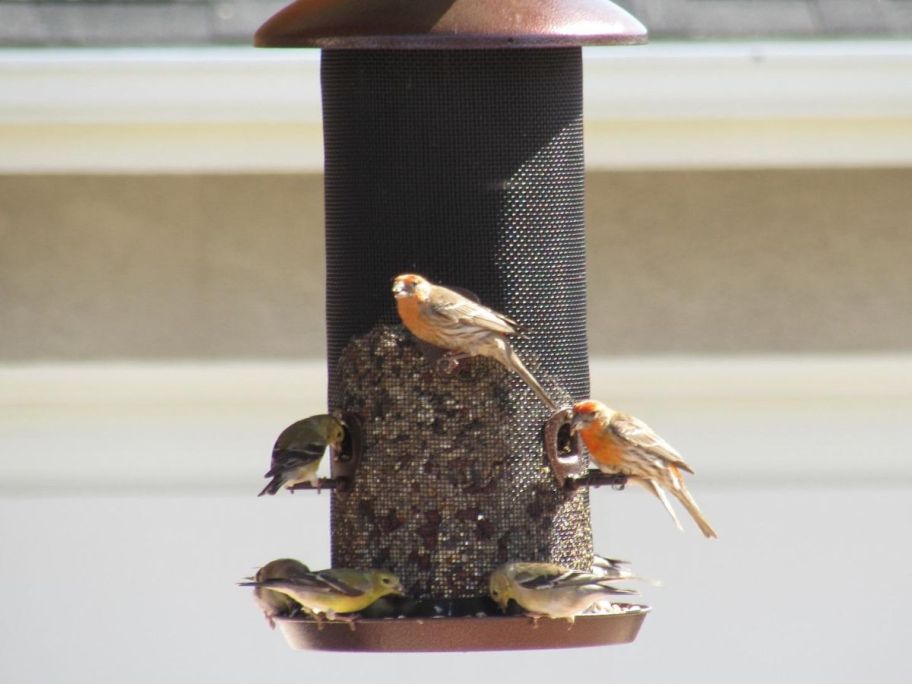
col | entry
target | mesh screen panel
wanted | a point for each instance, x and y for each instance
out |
(465, 166)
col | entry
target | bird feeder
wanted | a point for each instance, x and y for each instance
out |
(454, 149)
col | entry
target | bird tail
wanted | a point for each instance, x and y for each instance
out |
(653, 487)
(618, 571)
(611, 590)
(688, 502)
(513, 362)
(275, 484)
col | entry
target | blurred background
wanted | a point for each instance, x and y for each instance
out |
(749, 213)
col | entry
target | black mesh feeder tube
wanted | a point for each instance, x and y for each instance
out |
(453, 149)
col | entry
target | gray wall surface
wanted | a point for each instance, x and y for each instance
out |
(224, 266)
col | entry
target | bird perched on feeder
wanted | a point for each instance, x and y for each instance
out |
(298, 450)
(273, 603)
(622, 444)
(333, 593)
(549, 590)
(447, 319)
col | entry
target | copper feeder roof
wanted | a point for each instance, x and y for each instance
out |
(449, 24)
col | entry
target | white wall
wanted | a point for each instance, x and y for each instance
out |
(672, 105)
(128, 510)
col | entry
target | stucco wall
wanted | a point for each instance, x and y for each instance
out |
(228, 266)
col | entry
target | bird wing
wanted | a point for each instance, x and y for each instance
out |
(450, 306)
(345, 581)
(549, 576)
(635, 432)
(537, 575)
(286, 459)
(320, 582)
(612, 568)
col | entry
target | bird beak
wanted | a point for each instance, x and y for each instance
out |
(398, 288)
(399, 590)
(576, 423)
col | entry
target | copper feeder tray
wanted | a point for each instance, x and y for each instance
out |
(496, 633)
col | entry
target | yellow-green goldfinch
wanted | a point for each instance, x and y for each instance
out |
(298, 450)
(549, 590)
(273, 603)
(331, 592)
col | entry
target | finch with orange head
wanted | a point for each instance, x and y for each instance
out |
(451, 321)
(622, 444)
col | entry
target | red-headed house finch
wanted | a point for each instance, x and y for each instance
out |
(298, 450)
(620, 443)
(448, 320)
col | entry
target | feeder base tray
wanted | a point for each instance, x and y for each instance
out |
(500, 633)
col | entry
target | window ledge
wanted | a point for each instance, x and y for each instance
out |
(741, 421)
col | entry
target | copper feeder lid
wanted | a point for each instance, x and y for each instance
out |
(449, 24)
(501, 633)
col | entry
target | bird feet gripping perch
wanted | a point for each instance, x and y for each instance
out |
(449, 362)
(624, 446)
(445, 318)
(563, 448)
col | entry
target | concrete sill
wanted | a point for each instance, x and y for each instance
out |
(208, 427)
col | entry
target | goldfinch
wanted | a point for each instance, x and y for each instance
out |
(298, 450)
(549, 590)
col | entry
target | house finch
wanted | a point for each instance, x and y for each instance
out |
(620, 443)
(549, 590)
(328, 593)
(298, 450)
(451, 321)
(272, 603)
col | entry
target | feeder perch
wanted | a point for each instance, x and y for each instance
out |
(453, 149)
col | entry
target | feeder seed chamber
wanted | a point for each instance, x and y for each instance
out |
(453, 148)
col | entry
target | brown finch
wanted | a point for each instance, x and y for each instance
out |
(273, 603)
(620, 443)
(448, 320)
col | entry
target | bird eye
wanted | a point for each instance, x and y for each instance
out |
(495, 593)
(387, 580)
